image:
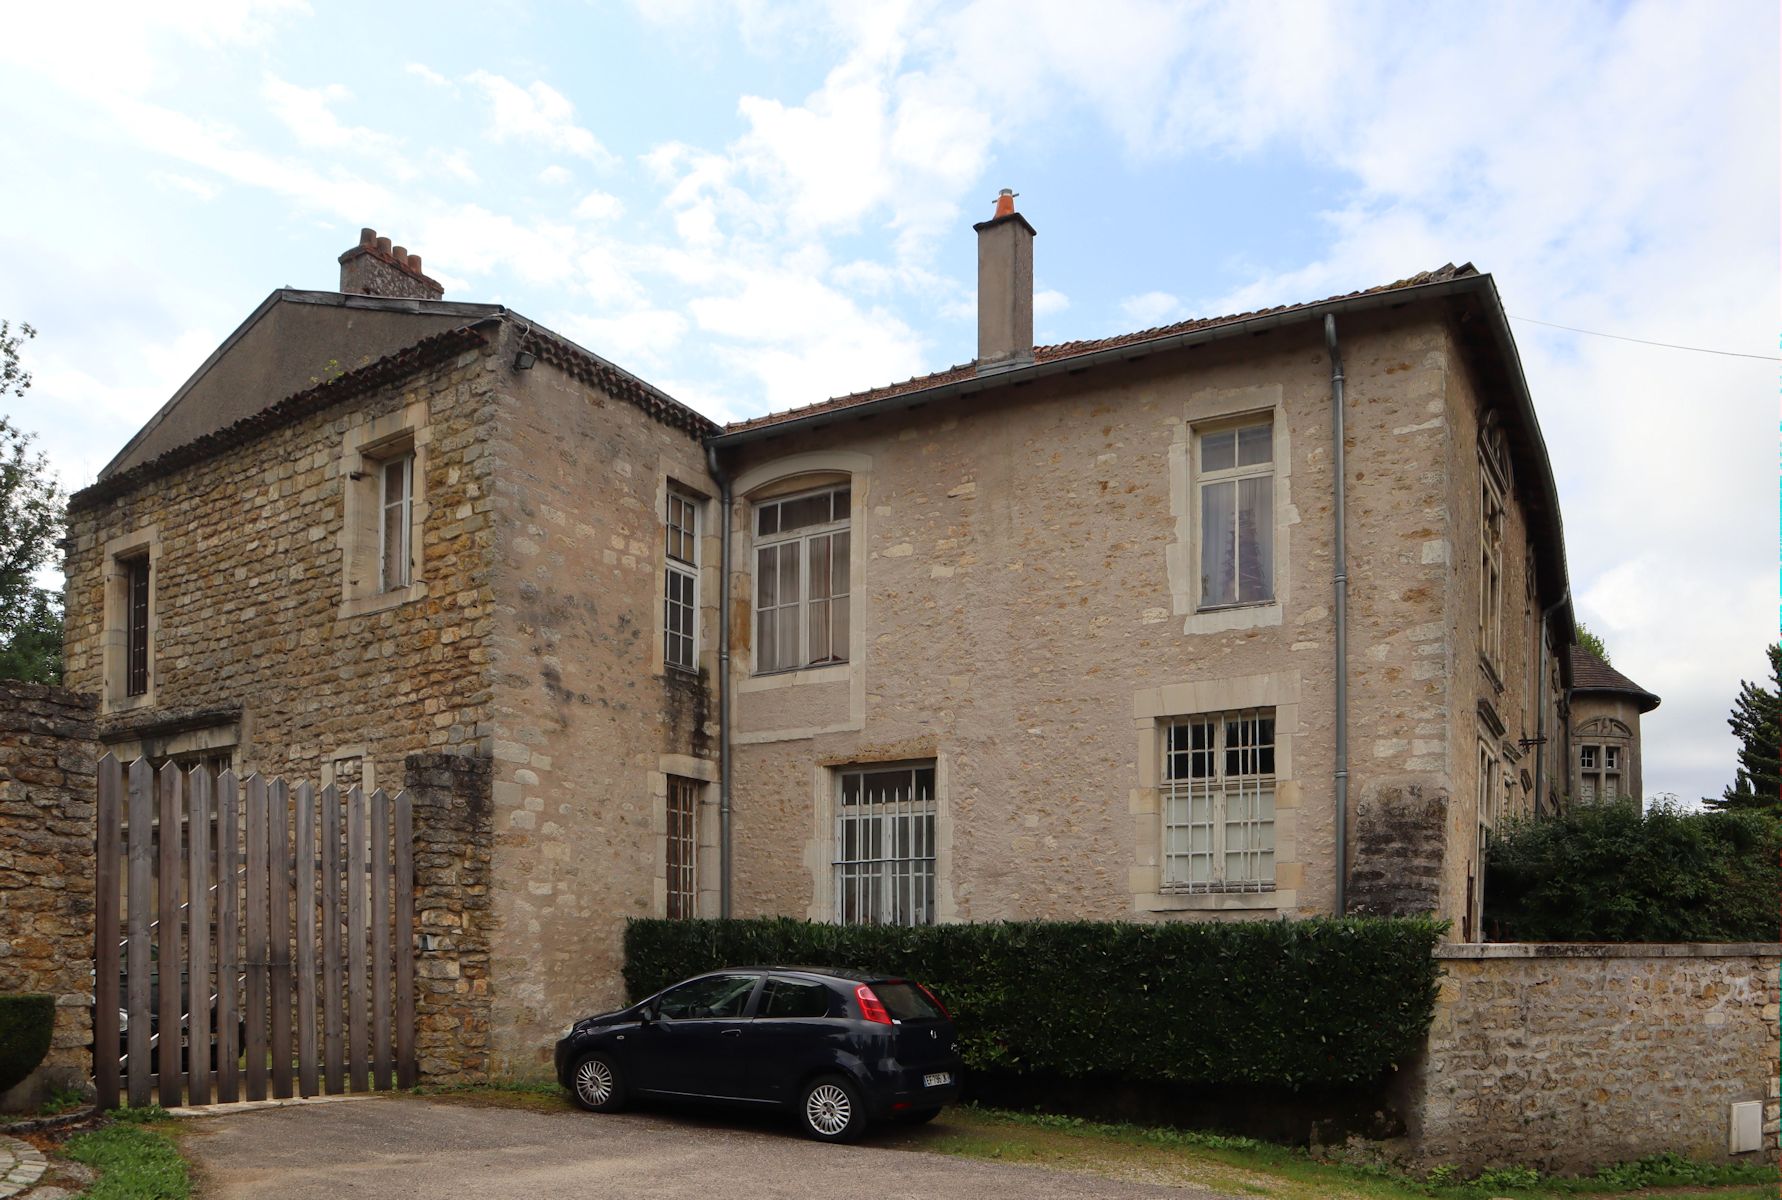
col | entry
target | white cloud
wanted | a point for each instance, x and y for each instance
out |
(599, 206)
(1151, 308)
(427, 74)
(537, 113)
(1049, 302)
(308, 113)
(555, 176)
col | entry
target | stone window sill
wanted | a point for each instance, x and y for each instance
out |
(1217, 901)
(361, 605)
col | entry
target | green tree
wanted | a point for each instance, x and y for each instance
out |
(1610, 873)
(30, 528)
(1592, 643)
(1756, 721)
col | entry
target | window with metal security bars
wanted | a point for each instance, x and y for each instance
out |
(884, 845)
(680, 583)
(1219, 803)
(136, 638)
(682, 863)
(801, 580)
(397, 514)
(1236, 488)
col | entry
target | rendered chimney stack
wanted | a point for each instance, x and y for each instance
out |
(375, 267)
(1005, 288)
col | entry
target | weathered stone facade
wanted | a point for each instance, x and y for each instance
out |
(1568, 1057)
(1035, 547)
(47, 803)
(450, 794)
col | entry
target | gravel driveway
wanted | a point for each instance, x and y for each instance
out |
(409, 1148)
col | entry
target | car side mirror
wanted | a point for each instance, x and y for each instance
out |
(647, 1014)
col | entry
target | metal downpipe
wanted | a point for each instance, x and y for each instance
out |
(1340, 583)
(723, 481)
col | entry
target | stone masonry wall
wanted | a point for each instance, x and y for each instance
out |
(47, 757)
(1570, 1056)
(1024, 610)
(249, 559)
(450, 793)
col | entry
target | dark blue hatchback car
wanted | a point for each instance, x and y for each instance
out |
(839, 1050)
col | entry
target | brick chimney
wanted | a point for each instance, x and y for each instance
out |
(376, 268)
(1005, 288)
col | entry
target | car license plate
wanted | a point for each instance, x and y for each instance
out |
(941, 1079)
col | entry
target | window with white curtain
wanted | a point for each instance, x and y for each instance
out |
(1235, 485)
(1219, 802)
(801, 580)
(398, 506)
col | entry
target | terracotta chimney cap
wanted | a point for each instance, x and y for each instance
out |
(1005, 203)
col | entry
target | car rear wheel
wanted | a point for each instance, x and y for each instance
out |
(829, 1110)
(595, 1083)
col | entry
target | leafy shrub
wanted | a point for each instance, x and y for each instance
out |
(1508, 1177)
(25, 1025)
(1293, 1003)
(1610, 873)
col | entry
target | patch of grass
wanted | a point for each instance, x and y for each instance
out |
(147, 1114)
(1223, 1162)
(134, 1163)
(62, 1100)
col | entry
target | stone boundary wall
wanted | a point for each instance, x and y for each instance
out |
(453, 843)
(48, 753)
(1567, 1057)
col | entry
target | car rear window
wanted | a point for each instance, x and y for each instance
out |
(906, 1002)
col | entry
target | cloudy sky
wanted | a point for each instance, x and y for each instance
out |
(759, 205)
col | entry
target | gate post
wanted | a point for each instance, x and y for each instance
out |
(453, 840)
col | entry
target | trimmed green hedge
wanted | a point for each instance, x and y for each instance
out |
(25, 1025)
(1293, 1003)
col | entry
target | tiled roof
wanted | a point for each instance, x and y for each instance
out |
(1064, 350)
(1592, 674)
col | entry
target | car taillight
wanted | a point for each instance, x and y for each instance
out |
(871, 1007)
(935, 1000)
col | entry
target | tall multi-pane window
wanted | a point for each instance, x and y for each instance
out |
(1599, 773)
(682, 863)
(680, 583)
(397, 513)
(136, 635)
(1491, 569)
(884, 845)
(1236, 481)
(801, 580)
(1219, 802)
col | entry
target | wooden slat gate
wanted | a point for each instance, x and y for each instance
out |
(205, 938)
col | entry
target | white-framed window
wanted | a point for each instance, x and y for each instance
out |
(884, 844)
(396, 500)
(680, 583)
(801, 580)
(1235, 489)
(682, 862)
(1599, 773)
(1218, 802)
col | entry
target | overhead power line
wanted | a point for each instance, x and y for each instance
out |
(1644, 342)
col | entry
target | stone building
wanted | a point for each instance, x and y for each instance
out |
(1062, 631)
(1606, 707)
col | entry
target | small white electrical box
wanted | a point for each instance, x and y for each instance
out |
(1745, 1133)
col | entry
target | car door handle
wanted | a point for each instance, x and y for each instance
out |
(732, 1033)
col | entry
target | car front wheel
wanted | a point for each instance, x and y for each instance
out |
(595, 1083)
(829, 1110)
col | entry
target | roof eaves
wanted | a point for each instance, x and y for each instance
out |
(588, 367)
